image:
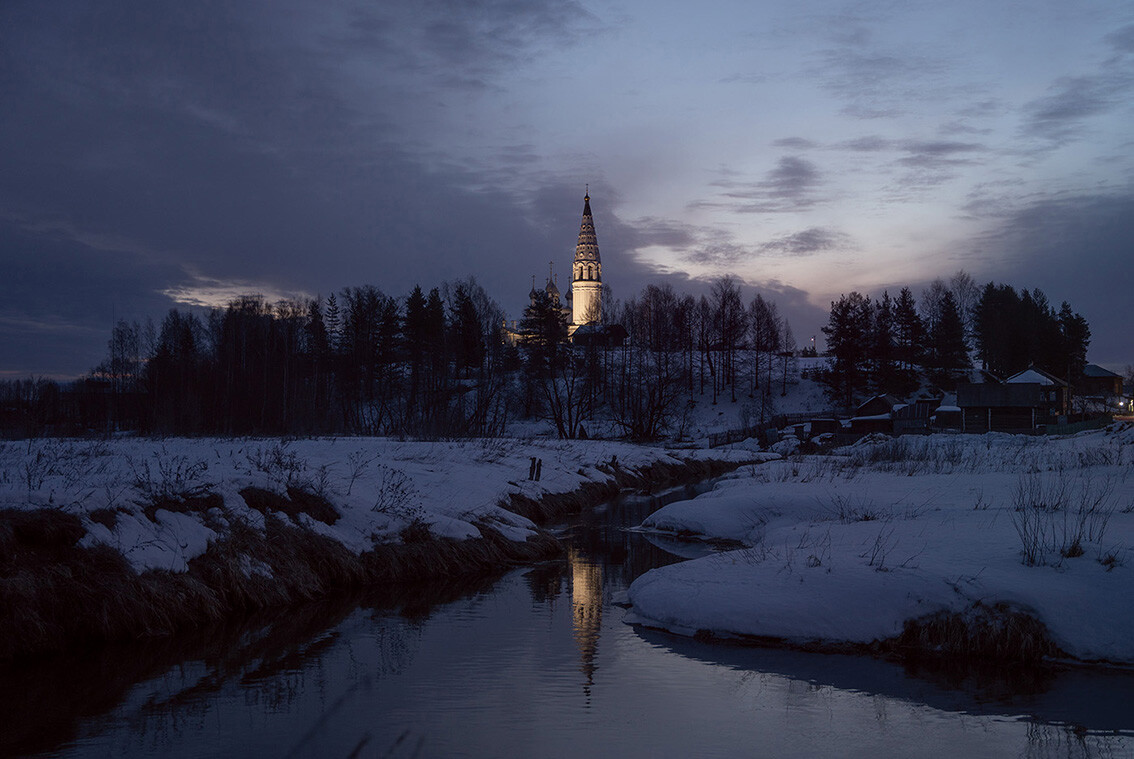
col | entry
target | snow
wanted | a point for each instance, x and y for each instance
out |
(1029, 375)
(378, 486)
(846, 548)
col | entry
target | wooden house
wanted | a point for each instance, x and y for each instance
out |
(1098, 382)
(1022, 403)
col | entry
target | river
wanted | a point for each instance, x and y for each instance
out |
(537, 663)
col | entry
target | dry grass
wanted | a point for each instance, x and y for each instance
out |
(296, 502)
(998, 633)
(55, 594)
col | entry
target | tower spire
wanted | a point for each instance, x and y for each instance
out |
(586, 285)
(586, 250)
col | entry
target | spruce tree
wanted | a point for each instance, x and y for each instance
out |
(948, 355)
(848, 343)
(884, 375)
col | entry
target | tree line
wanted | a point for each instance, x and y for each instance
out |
(429, 364)
(677, 348)
(890, 345)
(439, 363)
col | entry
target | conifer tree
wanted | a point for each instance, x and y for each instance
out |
(884, 376)
(948, 355)
(848, 342)
(1076, 337)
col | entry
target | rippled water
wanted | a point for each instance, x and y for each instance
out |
(536, 663)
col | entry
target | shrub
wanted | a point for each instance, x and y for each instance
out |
(1057, 515)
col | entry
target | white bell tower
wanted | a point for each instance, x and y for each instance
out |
(586, 279)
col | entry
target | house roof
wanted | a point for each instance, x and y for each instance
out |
(1034, 374)
(887, 400)
(1094, 370)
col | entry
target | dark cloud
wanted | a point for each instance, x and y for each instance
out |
(983, 109)
(806, 243)
(1122, 39)
(922, 163)
(1060, 115)
(932, 163)
(874, 82)
(868, 144)
(1075, 248)
(61, 297)
(962, 127)
(790, 186)
(267, 146)
(719, 253)
(795, 143)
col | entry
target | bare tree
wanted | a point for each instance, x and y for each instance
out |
(728, 313)
(966, 294)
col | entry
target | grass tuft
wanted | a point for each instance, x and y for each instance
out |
(293, 504)
(997, 632)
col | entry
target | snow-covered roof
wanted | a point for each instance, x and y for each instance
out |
(1035, 375)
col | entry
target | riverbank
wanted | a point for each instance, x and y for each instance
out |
(112, 540)
(1012, 548)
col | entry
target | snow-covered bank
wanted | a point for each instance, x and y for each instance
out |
(851, 548)
(137, 536)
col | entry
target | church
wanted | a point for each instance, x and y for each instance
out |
(582, 304)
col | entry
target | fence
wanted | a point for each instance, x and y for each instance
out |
(1071, 428)
(786, 420)
(759, 431)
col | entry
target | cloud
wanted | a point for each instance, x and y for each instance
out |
(1060, 115)
(922, 163)
(281, 148)
(868, 144)
(718, 253)
(790, 186)
(931, 163)
(1076, 248)
(206, 292)
(59, 299)
(795, 143)
(745, 79)
(1122, 39)
(806, 242)
(876, 82)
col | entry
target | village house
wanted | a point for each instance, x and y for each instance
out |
(1021, 403)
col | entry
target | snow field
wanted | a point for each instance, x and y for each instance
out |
(377, 486)
(846, 548)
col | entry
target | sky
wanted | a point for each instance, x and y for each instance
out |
(159, 155)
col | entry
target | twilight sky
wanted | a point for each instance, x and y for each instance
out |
(155, 154)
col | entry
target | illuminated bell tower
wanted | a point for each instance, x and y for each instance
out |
(586, 281)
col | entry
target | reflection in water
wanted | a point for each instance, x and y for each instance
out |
(491, 667)
(163, 687)
(586, 612)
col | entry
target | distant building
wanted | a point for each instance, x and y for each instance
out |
(582, 303)
(586, 285)
(1098, 382)
(1056, 392)
(1022, 402)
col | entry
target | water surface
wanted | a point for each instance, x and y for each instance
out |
(536, 663)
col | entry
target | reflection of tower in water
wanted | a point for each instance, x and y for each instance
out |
(586, 612)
